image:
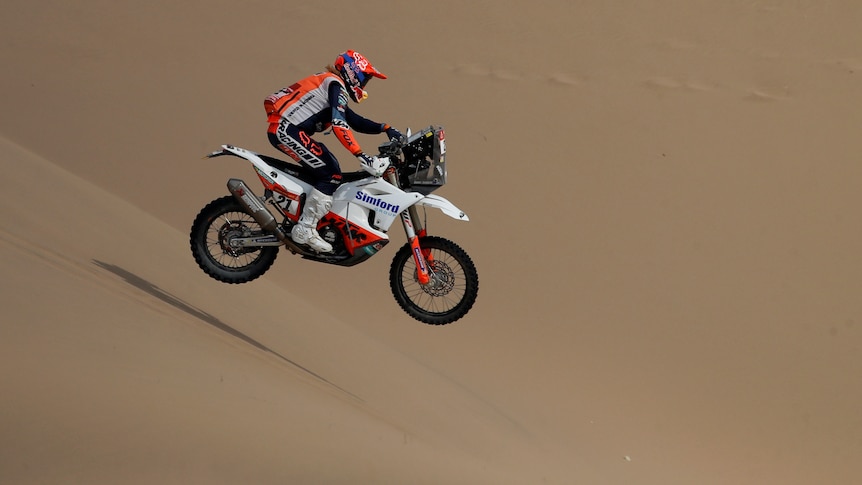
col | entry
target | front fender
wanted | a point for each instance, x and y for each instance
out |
(444, 205)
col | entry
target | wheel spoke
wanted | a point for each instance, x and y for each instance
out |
(446, 289)
(213, 231)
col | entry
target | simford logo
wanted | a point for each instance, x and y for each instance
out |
(381, 204)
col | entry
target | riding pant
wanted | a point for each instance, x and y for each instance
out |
(299, 145)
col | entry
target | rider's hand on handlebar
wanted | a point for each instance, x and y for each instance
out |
(393, 134)
(374, 165)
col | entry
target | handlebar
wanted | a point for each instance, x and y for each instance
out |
(392, 148)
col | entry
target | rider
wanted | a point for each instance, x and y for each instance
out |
(313, 105)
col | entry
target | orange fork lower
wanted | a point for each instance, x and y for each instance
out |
(426, 252)
(419, 256)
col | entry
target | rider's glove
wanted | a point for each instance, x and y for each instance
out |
(392, 133)
(374, 165)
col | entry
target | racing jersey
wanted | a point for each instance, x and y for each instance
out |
(317, 103)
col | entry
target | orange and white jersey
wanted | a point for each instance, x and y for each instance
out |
(317, 103)
(301, 101)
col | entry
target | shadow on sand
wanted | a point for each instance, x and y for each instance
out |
(205, 317)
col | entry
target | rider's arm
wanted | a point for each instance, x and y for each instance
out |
(362, 124)
(345, 119)
(340, 126)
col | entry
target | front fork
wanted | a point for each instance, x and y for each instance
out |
(414, 230)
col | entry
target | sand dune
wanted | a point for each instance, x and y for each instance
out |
(663, 200)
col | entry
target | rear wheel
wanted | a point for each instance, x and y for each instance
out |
(212, 231)
(453, 287)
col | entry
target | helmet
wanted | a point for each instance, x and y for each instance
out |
(356, 71)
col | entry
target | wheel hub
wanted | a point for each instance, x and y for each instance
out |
(442, 279)
(227, 234)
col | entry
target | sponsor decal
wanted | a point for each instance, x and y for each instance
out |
(298, 106)
(250, 201)
(342, 101)
(266, 177)
(310, 144)
(361, 61)
(340, 123)
(345, 136)
(302, 154)
(379, 203)
(419, 259)
(354, 235)
(352, 75)
(264, 240)
(285, 149)
(406, 218)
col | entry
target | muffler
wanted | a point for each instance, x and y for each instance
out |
(255, 207)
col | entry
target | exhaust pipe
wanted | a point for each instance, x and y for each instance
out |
(255, 207)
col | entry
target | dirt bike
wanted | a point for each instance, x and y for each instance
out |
(236, 238)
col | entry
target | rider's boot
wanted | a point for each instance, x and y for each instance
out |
(316, 206)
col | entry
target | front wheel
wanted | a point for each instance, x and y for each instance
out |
(453, 287)
(215, 226)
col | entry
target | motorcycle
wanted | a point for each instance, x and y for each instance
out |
(236, 238)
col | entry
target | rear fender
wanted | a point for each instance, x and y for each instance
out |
(271, 177)
(241, 153)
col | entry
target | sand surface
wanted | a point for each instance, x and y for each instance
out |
(664, 202)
